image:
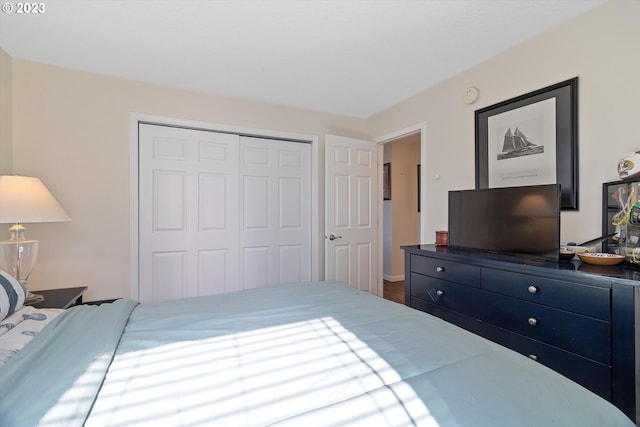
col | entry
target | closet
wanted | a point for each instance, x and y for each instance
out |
(220, 212)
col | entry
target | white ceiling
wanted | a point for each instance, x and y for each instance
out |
(355, 57)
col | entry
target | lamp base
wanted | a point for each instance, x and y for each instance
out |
(33, 298)
(18, 255)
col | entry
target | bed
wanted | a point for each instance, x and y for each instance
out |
(300, 355)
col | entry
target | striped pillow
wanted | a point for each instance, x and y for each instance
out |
(12, 294)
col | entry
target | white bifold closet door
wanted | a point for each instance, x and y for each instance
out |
(220, 212)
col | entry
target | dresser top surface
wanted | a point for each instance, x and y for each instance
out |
(575, 269)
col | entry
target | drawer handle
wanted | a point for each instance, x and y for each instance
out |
(439, 292)
(532, 289)
(533, 357)
(439, 269)
(532, 321)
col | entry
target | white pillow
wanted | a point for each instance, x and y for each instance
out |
(12, 294)
(21, 327)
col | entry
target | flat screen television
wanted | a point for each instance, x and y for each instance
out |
(516, 221)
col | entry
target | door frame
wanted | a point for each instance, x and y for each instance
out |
(381, 140)
(317, 234)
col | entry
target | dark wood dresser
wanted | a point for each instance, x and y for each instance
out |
(580, 320)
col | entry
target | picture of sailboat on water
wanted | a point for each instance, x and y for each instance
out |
(517, 144)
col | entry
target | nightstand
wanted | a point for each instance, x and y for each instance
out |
(60, 298)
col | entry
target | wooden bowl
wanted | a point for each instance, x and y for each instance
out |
(600, 258)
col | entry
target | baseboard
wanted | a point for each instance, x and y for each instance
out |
(389, 278)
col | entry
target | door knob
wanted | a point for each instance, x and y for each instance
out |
(332, 237)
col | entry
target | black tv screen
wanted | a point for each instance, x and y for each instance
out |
(519, 221)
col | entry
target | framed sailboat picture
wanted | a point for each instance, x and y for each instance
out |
(529, 140)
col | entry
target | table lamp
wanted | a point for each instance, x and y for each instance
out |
(24, 199)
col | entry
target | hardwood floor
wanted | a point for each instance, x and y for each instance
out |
(394, 291)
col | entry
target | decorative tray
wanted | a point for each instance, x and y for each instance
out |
(600, 258)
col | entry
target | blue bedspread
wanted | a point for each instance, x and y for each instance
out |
(55, 378)
(308, 354)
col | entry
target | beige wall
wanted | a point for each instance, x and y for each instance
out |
(401, 216)
(387, 225)
(600, 47)
(406, 218)
(71, 129)
(5, 114)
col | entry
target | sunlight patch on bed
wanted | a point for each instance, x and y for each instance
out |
(257, 377)
(72, 405)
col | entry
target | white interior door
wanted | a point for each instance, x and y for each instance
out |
(219, 212)
(351, 230)
(188, 212)
(275, 206)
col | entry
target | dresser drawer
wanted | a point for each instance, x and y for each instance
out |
(583, 335)
(589, 300)
(452, 271)
(452, 296)
(591, 374)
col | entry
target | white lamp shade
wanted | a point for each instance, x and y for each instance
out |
(25, 199)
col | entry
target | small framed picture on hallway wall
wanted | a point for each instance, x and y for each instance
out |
(386, 181)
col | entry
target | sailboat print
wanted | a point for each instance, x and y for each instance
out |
(517, 144)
